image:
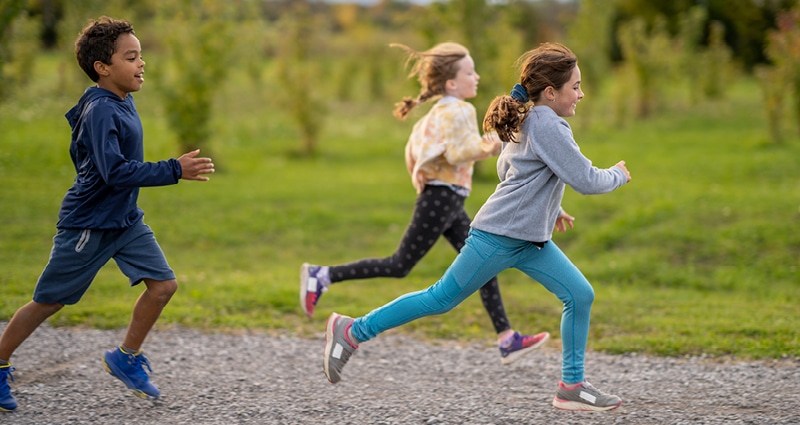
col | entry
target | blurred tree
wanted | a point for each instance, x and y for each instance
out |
(717, 59)
(362, 50)
(524, 17)
(18, 46)
(73, 16)
(691, 27)
(783, 49)
(198, 39)
(301, 73)
(648, 56)
(745, 21)
(474, 22)
(771, 82)
(590, 39)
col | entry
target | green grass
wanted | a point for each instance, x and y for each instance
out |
(698, 255)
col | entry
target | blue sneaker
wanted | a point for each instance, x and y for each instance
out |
(7, 401)
(129, 368)
(516, 345)
(314, 281)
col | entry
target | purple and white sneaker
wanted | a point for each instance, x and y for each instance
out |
(517, 345)
(314, 281)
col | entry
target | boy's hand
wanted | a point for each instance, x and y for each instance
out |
(192, 167)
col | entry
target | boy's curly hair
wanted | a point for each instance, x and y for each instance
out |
(98, 41)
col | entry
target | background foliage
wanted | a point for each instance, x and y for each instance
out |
(698, 255)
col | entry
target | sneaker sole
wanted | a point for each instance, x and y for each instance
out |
(581, 407)
(328, 346)
(304, 289)
(137, 393)
(519, 353)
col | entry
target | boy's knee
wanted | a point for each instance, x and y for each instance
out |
(162, 289)
(48, 309)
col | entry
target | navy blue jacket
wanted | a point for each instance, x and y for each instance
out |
(108, 153)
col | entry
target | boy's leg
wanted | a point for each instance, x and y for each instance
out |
(127, 362)
(142, 260)
(19, 328)
(22, 324)
(147, 310)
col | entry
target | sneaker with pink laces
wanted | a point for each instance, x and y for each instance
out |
(584, 397)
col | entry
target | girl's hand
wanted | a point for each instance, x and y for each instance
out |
(563, 221)
(621, 166)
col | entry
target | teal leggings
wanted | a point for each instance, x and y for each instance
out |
(484, 256)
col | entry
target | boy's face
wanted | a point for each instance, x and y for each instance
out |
(125, 73)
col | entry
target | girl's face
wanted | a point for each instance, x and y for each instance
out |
(564, 100)
(465, 83)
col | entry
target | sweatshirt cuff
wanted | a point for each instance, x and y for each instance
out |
(177, 171)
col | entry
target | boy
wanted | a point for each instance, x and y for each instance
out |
(99, 218)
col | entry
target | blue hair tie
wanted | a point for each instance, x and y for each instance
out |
(519, 93)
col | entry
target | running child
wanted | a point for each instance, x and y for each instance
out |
(440, 153)
(513, 229)
(99, 218)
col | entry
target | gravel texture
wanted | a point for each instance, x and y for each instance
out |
(262, 379)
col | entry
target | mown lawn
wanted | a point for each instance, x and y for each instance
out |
(699, 254)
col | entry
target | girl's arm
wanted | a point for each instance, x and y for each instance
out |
(464, 141)
(554, 144)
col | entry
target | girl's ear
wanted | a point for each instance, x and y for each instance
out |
(450, 85)
(550, 93)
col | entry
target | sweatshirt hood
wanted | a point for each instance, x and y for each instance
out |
(91, 94)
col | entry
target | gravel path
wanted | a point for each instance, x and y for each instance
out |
(260, 379)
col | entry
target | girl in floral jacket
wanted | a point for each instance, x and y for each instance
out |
(441, 151)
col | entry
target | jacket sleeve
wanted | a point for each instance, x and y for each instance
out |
(562, 155)
(112, 165)
(462, 138)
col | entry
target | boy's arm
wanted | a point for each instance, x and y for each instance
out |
(118, 169)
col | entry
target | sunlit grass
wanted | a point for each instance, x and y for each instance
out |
(697, 255)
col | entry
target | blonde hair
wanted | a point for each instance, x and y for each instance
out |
(432, 68)
(549, 65)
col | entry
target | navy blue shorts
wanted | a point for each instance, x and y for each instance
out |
(78, 255)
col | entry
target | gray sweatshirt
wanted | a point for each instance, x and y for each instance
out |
(533, 173)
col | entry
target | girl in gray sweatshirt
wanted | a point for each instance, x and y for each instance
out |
(514, 227)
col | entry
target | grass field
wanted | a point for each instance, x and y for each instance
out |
(698, 255)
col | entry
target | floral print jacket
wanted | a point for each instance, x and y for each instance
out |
(445, 144)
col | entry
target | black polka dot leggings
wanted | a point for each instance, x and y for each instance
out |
(438, 211)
